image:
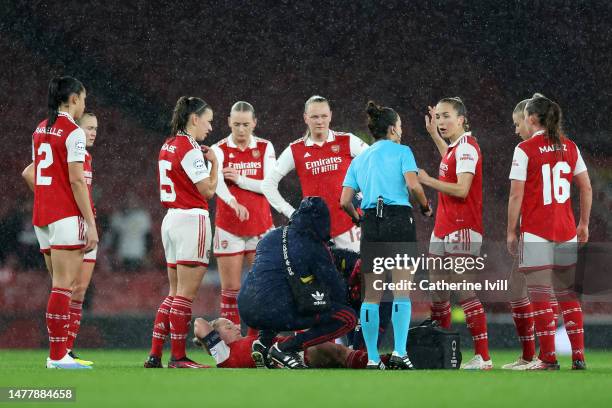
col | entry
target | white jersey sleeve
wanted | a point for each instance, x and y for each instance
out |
(519, 165)
(466, 157)
(268, 165)
(269, 187)
(357, 145)
(222, 191)
(194, 165)
(285, 162)
(580, 165)
(76, 146)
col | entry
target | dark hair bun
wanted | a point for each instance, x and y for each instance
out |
(373, 109)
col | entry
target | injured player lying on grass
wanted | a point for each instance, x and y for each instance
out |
(222, 340)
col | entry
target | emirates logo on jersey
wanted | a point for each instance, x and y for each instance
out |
(256, 154)
(323, 165)
(335, 148)
(246, 168)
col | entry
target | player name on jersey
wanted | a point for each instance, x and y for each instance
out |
(552, 148)
(53, 131)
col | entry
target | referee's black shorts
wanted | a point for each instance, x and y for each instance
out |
(396, 226)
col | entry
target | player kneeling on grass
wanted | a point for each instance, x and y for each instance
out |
(221, 339)
(294, 285)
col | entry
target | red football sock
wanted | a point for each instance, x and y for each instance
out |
(554, 305)
(476, 321)
(544, 321)
(229, 305)
(58, 318)
(574, 323)
(161, 327)
(357, 359)
(441, 313)
(522, 313)
(180, 320)
(76, 308)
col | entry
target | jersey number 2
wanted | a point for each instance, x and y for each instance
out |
(165, 183)
(560, 185)
(44, 148)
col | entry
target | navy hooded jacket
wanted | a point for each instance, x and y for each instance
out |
(308, 232)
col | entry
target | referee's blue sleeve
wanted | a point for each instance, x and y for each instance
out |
(350, 180)
(408, 162)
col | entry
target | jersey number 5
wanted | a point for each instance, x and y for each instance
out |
(165, 183)
(44, 148)
(560, 185)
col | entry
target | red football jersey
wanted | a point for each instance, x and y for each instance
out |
(321, 170)
(546, 210)
(453, 213)
(249, 163)
(52, 151)
(181, 166)
(240, 354)
(88, 173)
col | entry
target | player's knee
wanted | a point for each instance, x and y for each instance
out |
(78, 291)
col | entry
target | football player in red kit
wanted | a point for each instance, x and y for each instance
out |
(63, 217)
(243, 214)
(458, 227)
(89, 123)
(222, 339)
(543, 168)
(186, 182)
(321, 159)
(522, 309)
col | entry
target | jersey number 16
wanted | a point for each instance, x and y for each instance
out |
(560, 186)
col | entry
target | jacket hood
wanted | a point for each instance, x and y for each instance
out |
(312, 215)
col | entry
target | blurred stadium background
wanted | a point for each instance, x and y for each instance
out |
(137, 57)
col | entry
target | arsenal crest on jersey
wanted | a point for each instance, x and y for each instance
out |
(335, 148)
(224, 244)
(256, 154)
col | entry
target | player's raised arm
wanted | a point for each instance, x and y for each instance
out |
(207, 186)
(252, 184)
(431, 124)
(269, 187)
(223, 191)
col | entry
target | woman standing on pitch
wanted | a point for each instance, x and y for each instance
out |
(522, 309)
(320, 159)
(186, 182)
(386, 174)
(243, 214)
(89, 123)
(543, 168)
(63, 218)
(458, 228)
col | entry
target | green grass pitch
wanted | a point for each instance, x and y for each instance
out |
(118, 380)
